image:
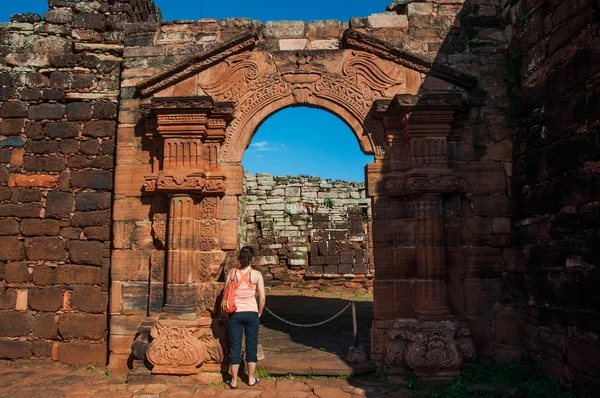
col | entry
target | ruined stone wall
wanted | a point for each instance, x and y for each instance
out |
(468, 37)
(554, 274)
(59, 84)
(308, 231)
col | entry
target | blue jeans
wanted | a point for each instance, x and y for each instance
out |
(247, 322)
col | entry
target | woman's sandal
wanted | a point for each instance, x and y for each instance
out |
(228, 382)
(256, 381)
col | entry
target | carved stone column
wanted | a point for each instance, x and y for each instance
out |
(431, 300)
(433, 344)
(188, 184)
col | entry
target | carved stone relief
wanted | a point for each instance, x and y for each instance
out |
(352, 80)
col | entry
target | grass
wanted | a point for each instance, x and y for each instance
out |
(262, 373)
(525, 374)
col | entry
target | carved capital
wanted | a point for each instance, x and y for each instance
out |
(193, 183)
(174, 349)
(432, 349)
(183, 347)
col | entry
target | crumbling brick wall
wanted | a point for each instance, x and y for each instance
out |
(555, 93)
(59, 84)
(308, 231)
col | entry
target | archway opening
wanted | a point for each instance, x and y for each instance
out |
(306, 212)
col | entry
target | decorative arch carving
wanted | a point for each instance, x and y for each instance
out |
(346, 83)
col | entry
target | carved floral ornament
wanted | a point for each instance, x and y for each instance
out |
(427, 347)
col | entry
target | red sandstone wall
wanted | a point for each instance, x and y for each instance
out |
(555, 55)
(59, 82)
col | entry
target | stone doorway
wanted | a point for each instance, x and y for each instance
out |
(180, 178)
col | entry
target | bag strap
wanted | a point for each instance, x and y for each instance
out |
(244, 278)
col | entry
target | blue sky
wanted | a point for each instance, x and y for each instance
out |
(295, 140)
(306, 141)
(264, 10)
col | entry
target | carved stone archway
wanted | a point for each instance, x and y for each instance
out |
(199, 117)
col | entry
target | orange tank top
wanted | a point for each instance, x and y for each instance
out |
(245, 292)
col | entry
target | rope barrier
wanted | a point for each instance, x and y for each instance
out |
(311, 324)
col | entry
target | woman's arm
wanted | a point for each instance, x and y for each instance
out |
(260, 285)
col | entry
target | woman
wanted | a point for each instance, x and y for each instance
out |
(246, 316)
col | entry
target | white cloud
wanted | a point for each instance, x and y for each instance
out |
(262, 146)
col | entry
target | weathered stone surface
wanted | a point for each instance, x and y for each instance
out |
(77, 274)
(46, 111)
(82, 252)
(45, 326)
(15, 324)
(17, 272)
(82, 326)
(15, 349)
(45, 248)
(46, 299)
(59, 204)
(61, 130)
(92, 179)
(12, 249)
(89, 299)
(9, 226)
(284, 29)
(82, 354)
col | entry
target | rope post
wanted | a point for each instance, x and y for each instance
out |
(354, 325)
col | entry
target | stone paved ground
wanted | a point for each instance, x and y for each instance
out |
(57, 382)
(318, 350)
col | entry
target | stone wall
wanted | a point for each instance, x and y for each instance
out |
(59, 84)
(554, 273)
(308, 231)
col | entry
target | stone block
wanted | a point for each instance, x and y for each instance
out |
(89, 20)
(93, 179)
(9, 226)
(91, 218)
(77, 274)
(314, 269)
(46, 299)
(90, 147)
(84, 252)
(97, 233)
(59, 16)
(130, 265)
(8, 299)
(15, 324)
(46, 111)
(61, 129)
(88, 201)
(129, 180)
(347, 257)
(35, 227)
(11, 126)
(505, 354)
(501, 225)
(284, 29)
(82, 326)
(388, 20)
(509, 328)
(82, 354)
(324, 29)
(42, 275)
(360, 268)
(101, 128)
(13, 109)
(15, 349)
(330, 44)
(47, 163)
(345, 268)
(45, 326)
(41, 349)
(45, 248)
(477, 231)
(36, 180)
(474, 298)
(12, 249)
(583, 356)
(332, 260)
(17, 272)
(492, 206)
(482, 262)
(484, 178)
(292, 44)
(59, 204)
(89, 299)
